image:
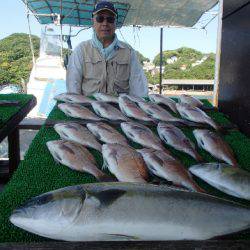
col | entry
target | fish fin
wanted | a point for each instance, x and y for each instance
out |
(107, 178)
(120, 237)
(104, 198)
(104, 165)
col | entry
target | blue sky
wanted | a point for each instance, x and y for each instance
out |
(146, 40)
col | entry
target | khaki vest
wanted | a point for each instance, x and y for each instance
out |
(106, 76)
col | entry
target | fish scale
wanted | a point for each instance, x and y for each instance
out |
(174, 137)
(108, 111)
(166, 166)
(125, 163)
(142, 135)
(195, 114)
(76, 157)
(78, 111)
(215, 145)
(160, 99)
(77, 133)
(130, 109)
(106, 133)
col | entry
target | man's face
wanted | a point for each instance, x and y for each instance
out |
(105, 29)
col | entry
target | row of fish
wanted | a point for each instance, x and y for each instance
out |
(155, 98)
(127, 164)
(134, 107)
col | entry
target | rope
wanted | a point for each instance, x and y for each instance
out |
(60, 21)
(30, 38)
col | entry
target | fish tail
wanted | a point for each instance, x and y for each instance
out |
(188, 123)
(198, 158)
(235, 164)
(194, 187)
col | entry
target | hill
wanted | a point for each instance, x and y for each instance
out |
(16, 58)
(187, 63)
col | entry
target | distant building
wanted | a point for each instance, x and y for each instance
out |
(203, 59)
(172, 60)
(151, 68)
(183, 67)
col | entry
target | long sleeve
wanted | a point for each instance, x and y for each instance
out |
(75, 71)
(138, 83)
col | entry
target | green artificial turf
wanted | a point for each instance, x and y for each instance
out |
(7, 112)
(39, 173)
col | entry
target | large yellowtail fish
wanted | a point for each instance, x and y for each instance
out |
(129, 212)
(232, 181)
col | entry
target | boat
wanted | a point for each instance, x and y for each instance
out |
(48, 74)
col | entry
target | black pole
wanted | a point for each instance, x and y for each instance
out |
(161, 39)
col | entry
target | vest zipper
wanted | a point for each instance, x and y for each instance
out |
(106, 77)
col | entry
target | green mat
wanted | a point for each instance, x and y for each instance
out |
(38, 173)
(7, 112)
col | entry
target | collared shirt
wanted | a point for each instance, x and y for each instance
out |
(137, 82)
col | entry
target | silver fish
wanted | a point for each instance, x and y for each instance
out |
(76, 157)
(77, 133)
(125, 163)
(133, 98)
(142, 135)
(191, 100)
(129, 211)
(174, 137)
(162, 99)
(130, 109)
(215, 145)
(195, 114)
(78, 111)
(106, 133)
(166, 166)
(107, 111)
(106, 97)
(155, 111)
(73, 98)
(232, 181)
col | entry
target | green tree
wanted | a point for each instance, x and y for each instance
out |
(16, 58)
(141, 58)
(183, 66)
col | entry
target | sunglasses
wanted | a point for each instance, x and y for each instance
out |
(100, 19)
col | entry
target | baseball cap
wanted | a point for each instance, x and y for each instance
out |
(104, 5)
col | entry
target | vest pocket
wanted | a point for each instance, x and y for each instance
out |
(121, 80)
(93, 69)
(91, 86)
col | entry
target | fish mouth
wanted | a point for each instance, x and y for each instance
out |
(40, 212)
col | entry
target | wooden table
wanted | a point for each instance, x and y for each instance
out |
(9, 129)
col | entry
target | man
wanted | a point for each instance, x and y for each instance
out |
(105, 64)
